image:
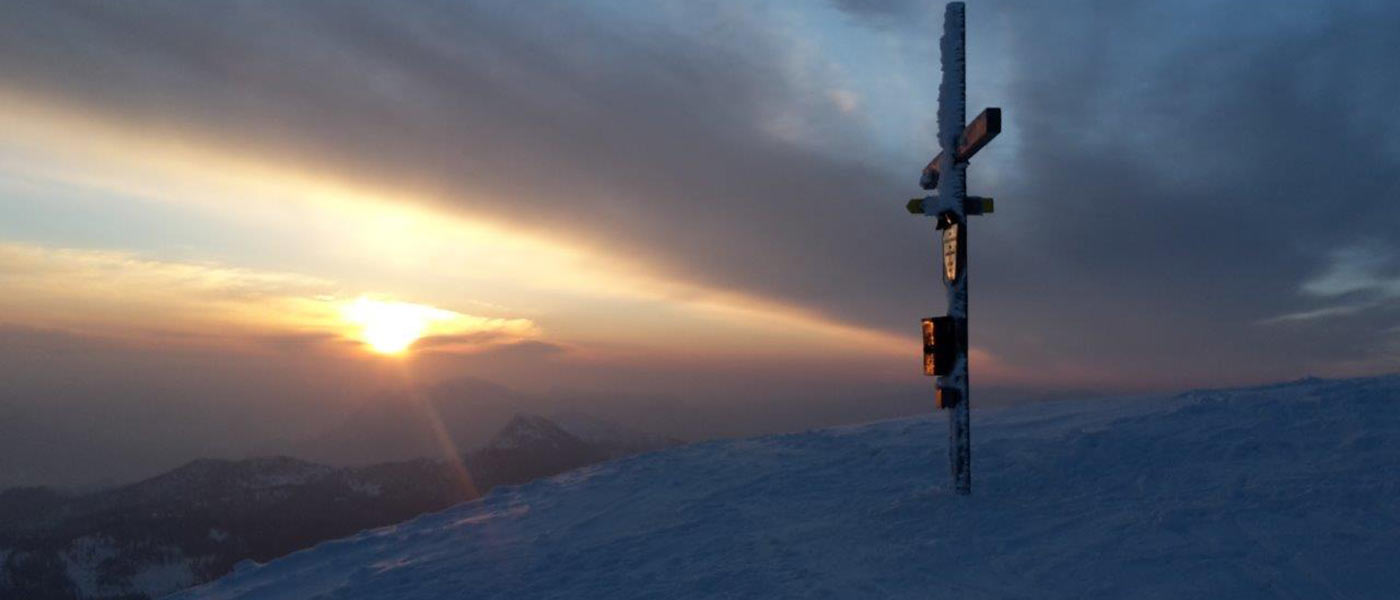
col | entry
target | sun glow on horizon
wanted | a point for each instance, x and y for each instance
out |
(391, 327)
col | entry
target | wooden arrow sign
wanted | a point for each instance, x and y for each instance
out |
(972, 205)
(976, 135)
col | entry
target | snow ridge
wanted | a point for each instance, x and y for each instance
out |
(1277, 492)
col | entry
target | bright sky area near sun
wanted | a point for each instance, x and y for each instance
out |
(161, 232)
(118, 231)
(705, 200)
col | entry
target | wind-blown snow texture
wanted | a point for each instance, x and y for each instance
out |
(1290, 491)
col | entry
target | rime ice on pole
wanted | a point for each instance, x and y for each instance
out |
(945, 355)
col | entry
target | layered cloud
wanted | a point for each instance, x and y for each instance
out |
(692, 209)
(121, 296)
(1170, 176)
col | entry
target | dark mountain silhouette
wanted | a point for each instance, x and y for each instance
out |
(194, 523)
(530, 447)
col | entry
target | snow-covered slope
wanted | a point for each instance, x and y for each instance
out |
(1290, 491)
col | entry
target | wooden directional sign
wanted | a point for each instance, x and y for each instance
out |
(977, 205)
(976, 135)
(972, 205)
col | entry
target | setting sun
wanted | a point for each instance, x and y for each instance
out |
(391, 327)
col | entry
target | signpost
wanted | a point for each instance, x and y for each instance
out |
(945, 338)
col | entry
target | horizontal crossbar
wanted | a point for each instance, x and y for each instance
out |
(976, 135)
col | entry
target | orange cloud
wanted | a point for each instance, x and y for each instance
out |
(119, 294)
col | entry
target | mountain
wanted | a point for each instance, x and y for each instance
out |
(529, 447)
(196, 522)
(193, 523)
(452, 417)
(1285, 491)
(464, 413)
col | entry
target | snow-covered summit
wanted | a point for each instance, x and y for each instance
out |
(1286, 491)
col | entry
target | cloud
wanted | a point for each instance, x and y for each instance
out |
(845, 100)
(530, 349)
(1358, 268)
(1364, 276)
(701, 203)
(649, 125)
(117, 294)
(484, 341)
(300, 341)
(1168, 177)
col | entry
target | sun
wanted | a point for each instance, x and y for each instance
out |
(389, 327)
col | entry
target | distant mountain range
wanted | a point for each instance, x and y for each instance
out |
(435, 421)
(196, 522)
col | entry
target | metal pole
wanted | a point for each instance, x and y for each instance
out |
(952, 113)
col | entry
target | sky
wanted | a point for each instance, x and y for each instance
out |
(229, 222)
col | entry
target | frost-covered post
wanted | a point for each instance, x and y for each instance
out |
(945, 338)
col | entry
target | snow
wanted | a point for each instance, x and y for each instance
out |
(525, 431)
(85, 560)
(1279, 492)
(81, 561)
(952, 109)
(157, 579)
(366, 488)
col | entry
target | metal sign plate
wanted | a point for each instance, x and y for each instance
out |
(950, 252)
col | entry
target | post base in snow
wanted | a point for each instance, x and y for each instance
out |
(960, 447)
